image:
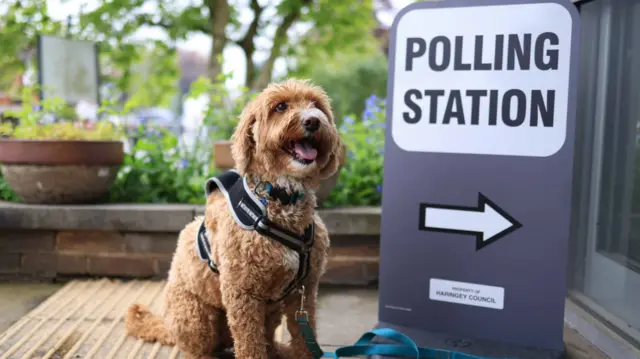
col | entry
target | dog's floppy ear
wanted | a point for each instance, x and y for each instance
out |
(337, 159)
(243, 145)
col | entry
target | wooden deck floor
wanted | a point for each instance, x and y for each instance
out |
(85, 319)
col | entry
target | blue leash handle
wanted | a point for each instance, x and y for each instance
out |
(406, 349)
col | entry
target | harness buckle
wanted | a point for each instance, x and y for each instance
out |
(301, 313)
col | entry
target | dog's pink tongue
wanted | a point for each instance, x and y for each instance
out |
(304, 150)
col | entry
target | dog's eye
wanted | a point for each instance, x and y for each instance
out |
(281, 107)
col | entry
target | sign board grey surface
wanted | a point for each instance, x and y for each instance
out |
(478, 174)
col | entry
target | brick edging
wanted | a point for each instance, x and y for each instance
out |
(130, 240)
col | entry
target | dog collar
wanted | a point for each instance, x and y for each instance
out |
(281, 194)
(250, 213)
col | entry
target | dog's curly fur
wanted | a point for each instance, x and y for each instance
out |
(205, 312)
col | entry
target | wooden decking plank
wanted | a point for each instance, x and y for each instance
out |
(78, 306)
(89, 331)
(85, 320)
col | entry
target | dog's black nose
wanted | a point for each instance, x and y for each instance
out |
(311, 124)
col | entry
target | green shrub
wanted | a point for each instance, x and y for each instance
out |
(360, 181)
(53, 119)
(161, 170)
(6, 193)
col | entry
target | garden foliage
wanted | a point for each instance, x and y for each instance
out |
(159, 168)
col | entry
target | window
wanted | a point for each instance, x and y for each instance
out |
(606, 228)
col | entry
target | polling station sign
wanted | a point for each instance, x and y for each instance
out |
(478, 172)
(499, 90)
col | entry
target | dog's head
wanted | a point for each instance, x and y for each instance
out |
(288, 131)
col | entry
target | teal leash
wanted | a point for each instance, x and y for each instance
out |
(406, 348)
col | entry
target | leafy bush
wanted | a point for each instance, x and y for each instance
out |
(53, 119)
(160, 169)
(360, 181)
(6, 193)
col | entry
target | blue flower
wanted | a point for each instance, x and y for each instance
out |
(183, 164)
(371, 104)
(36, 108)
(350, 154)
(379, 188)
(348, 121)
(367, 115)
(381, 151)
(154, 133)
(371, 101)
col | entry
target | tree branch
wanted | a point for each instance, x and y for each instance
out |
(219, 17)
(247, 42)
(279, 38)
(167, 25)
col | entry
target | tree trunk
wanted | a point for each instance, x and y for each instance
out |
(219, 15)
(247, 43)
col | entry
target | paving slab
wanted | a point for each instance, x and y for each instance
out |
(84, 319)
(18, 299)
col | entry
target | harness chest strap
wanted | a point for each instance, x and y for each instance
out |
(251, 214)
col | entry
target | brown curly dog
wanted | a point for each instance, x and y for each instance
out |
(286, 137)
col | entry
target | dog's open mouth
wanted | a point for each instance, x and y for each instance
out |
(305, 150)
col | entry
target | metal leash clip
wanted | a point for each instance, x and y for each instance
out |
(301, 313)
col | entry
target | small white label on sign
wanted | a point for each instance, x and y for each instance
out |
(477, 295)
(491, 80)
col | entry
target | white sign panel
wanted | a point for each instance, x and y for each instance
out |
(477, 295)
(466, 82)
(68, 69)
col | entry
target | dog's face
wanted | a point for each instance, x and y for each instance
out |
(288, 131)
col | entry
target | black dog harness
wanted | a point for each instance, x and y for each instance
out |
(250, 213)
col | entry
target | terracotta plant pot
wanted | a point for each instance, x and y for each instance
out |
(224, 161)
(60, 172)
(222, 155)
